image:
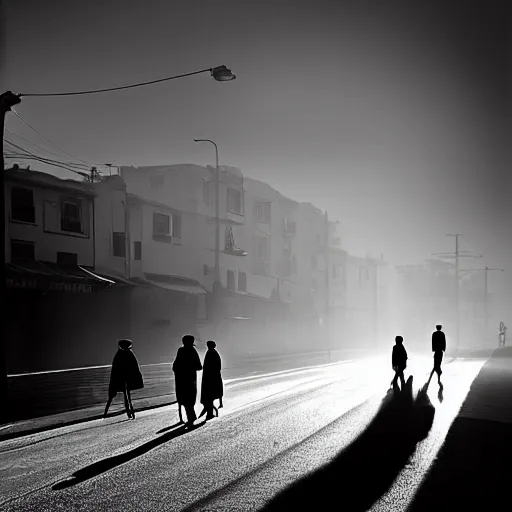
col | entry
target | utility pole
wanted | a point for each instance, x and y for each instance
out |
(327, 287)
(458, 254)
(7, 100)
(457, 293)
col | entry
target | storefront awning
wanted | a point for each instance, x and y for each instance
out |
(177, 284)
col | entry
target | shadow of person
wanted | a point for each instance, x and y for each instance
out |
(166, 429)
(440, 393)
(364, 471)
(104, 465)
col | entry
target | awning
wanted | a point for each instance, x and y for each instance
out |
(36, 275)
(177, 284)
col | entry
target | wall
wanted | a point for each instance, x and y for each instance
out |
(46, 231)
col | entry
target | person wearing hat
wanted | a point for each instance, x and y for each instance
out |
(185, 368)
(125, 376)
(211, 385)
(438, 347)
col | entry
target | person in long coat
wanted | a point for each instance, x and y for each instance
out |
(185, 368)
(211, 387)
(125, 376)
(399, 362)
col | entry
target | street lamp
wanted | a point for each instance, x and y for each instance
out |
(222, 74)
(217, 211)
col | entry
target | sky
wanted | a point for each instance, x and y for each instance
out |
(394, 116)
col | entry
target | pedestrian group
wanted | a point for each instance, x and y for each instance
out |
(126, 376)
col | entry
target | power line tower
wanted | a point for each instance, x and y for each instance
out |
(457, 255)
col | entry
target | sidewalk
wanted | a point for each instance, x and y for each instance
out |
(473, 469)
(250, 367)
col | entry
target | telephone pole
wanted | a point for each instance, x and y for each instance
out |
(457, 254)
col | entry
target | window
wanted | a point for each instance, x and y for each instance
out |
(176, 226)
(262, 212)
(289, 228)
(21, 250)
(22, 205)
(156, 181)
(71, 216)
(118, 244)
(231, 280)
(242, 282)
(161, 224)
(166, 225)
(206, 269)
(234, 201)
(67, 259)
(137, 251)
(337, 271)
(206, 191)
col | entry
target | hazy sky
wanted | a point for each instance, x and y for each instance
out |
(392, 115)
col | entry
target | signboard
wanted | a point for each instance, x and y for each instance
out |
(32, 284)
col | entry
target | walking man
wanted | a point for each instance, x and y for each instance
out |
(438, 347)
(399, 362)
(185, 368)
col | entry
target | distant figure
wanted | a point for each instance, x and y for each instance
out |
(211, 386)
(438, 347)
(125, 376)
(503, 334)
(399, 362)
(185, 368)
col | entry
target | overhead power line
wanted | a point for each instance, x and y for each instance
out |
(73, 164)
(109, 89)
(49, 140)
(38, 146)
(84, 174)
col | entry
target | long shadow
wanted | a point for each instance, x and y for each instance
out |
(166, 429)
(365, 470)
(97, 468)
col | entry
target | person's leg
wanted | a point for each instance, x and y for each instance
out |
(126, 404)
(191, 414)
(209, 410)
(394, 382)
(402, 379)
(132, 412)
(109, 401)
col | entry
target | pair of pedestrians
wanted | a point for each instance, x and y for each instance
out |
(399, 357)
(185, 368)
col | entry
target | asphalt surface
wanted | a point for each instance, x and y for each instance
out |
(289, 441)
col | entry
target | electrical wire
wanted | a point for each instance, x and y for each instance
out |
(85, 175)
(37, 145)
(44, 160)
(49, 140)
(109, 89)
(71, 164)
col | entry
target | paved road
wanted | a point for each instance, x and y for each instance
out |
(273, 432)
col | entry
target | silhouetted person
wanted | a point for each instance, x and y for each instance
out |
(502, 335)
(211, 386)
(438, 347)
(185, 368)
(125, 376)
(399, 362)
